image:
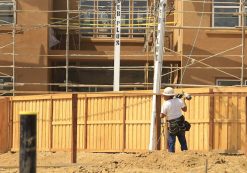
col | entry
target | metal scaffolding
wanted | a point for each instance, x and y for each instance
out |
(142, 24)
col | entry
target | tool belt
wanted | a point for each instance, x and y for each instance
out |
(178, 125)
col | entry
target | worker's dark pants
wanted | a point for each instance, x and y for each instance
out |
(172, 141)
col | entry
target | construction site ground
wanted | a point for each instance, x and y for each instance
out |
(153, 162)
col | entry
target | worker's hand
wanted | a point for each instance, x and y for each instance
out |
(162, 115)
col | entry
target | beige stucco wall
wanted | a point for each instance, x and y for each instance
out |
(208, 42)
(30, 44)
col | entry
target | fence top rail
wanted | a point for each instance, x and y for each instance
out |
(193, 91)
(32, 97)
(80, 95)
(230, 89)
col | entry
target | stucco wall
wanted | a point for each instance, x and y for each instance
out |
(31, 44)
(208, 42)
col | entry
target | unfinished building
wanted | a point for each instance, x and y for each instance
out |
(56, 46)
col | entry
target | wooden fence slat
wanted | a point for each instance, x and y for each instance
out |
(50, 125)
(85, 123)
(245, 126)
(124, 124)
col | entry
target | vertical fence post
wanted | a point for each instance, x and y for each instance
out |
(27, 160)
(211, 119)
(10, 123)
(246, 126)
(11, 117)
(51, 128)
(124, 123)
(74, 129)
(4, 125)
(85, 122)
(158, 121)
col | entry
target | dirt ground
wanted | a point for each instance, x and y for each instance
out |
(148, 162)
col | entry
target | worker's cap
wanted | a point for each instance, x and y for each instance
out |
(168, 91)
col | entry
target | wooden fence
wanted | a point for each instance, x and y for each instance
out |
(120, 122)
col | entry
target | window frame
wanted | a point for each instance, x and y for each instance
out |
(127, 28)
(134, 13)
(100, 26)
(225, 7)
(235, 80)
(237, 6)
(12, 12)
(6, 79)
(83, 32)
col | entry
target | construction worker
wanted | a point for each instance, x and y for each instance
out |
(172, 109)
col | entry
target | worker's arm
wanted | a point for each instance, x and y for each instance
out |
(185, 106)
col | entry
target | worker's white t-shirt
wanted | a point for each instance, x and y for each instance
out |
(172, 108)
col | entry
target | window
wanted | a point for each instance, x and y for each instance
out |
(87, 17)
(125, 15)
(5, 80)
(104, 19)
(6, 13)
(229, 82)
(140, 14)
(98, 16)
(226, 13)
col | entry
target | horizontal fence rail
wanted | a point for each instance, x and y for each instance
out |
(120, 122)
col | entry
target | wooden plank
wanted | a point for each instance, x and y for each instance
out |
(230, 89)
(74, 129)
(242, 129)
(193, 90)
(62, 96)
(50, 124)
(224, 115)
(11, 112)
(118, 94)
(40, 128)
(102, 128)
(63, 133)
(4, 117)
(91, 118)
(113, 126)
(230, 125)
(54, 130)
(234, 130)
(245, 139)
(85, 123)
(191, 118)
(196, 115)
(201, 129)
(158, 121)
(43, 124)
(31, 98)
(124, 124)
(97, 126)
(134, 134)
(211, 120)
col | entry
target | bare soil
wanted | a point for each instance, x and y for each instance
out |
(148, 162)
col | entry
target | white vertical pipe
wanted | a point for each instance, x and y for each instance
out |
(157, 70)
(243, 40)
(13, 46)
(116, 79)
(67, 47)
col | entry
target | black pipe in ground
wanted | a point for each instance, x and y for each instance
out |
(27, 160)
